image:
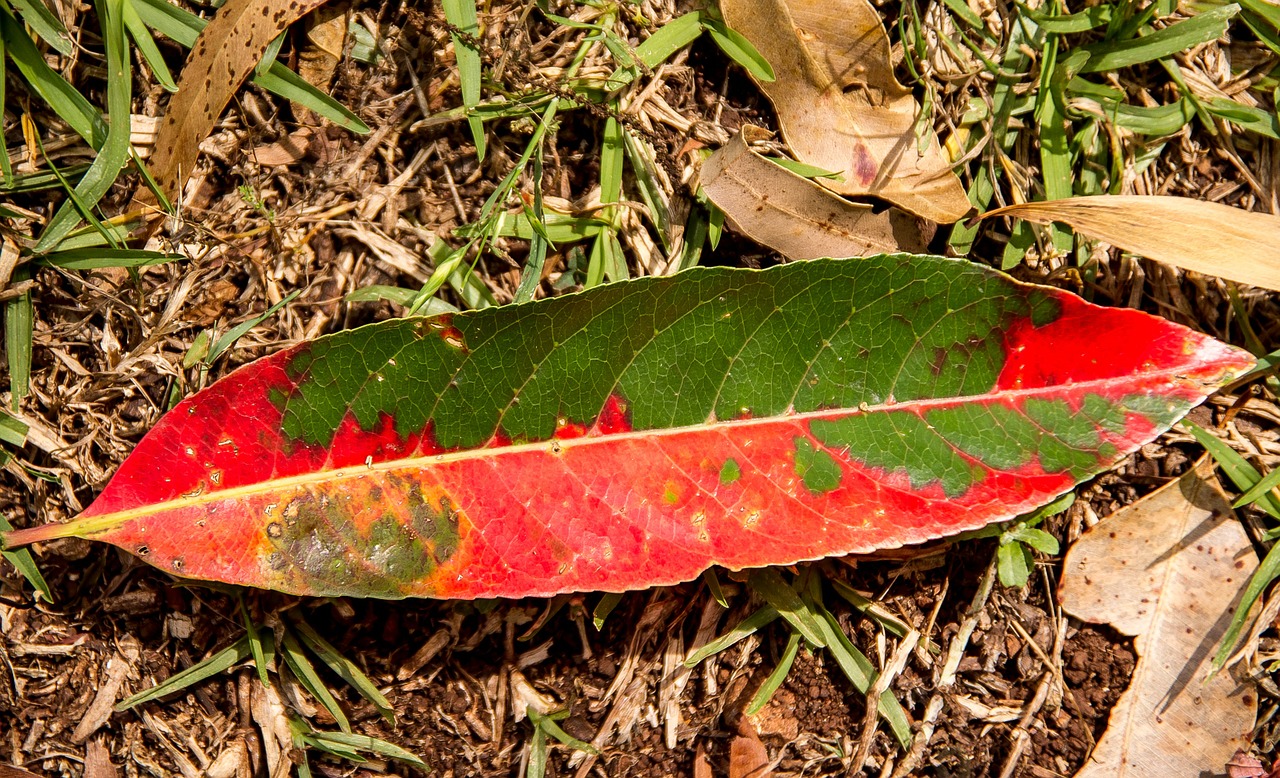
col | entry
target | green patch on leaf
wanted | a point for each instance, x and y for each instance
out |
(730, 471)
(820, 471)
(899, 440)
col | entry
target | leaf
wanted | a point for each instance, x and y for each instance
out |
(637, 434)
(226, 53)
(782, 210)
(1165, 570)
(1197, 235)
(839, 105)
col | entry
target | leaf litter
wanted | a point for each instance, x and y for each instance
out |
(1168, 570)
(264, 261)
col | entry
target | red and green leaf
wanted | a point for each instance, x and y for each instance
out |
(638, 433)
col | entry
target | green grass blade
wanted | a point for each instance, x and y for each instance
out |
(556, 227)
(223, 660)
(738, 48)
(1055, 153)
(608, 601)
(1258, 490)
(6, 168)
(769, 584)
(857, 668)
(283, 82)
(658, 48)
(19, 329)
(235, 333)
(114, 152)
(1004, 99)
(253, 635)
(644, 166)
(147, 47)
(669, 38)
(367, 744)
(21, 558)
(462, 14)
(343, 667)
(1244, 475)
(1262, 578)
(748, 626)
(63, 98)
(306, 674)
(1083, 21)
(775, 679)
(550, 727)
(45, 179)
(537, 750)
(531, 275)
(12, 431)
(713, 585)
(97, 258)
(269, 56)
(49, 27)
(1202, 28)
(611, 152)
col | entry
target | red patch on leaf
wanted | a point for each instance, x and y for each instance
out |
(614, 417)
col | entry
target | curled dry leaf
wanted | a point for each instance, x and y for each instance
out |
(840, 107)
(225, 54)
(1167, 570)
(1205, 237)
(775, 207)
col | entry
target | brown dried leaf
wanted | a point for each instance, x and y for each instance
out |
(326, 38)
(97, 761)
(1206, 237)
(792, 214)
(226, 52)
(839, 105)
(748, 758)
(289, 149)
(1167, 570)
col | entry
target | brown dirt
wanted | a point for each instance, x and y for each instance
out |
(107, 360)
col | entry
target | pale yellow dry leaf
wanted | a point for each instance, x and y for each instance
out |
(225, 54)
(840, 107)
(1167, 570)
(1209, 238)
(326, 38)
(792, 214)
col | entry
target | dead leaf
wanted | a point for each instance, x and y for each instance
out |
(1245, 765)
(792, 214)
(1167, 570)
(289, 149)
(701, 765)
(841, 108)
(748, 758)
(1206, 237)
(326, 38)
(97, 761)
(225, 54)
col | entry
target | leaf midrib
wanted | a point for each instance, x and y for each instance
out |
(556, 447)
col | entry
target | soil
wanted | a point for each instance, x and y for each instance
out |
(108, 359)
